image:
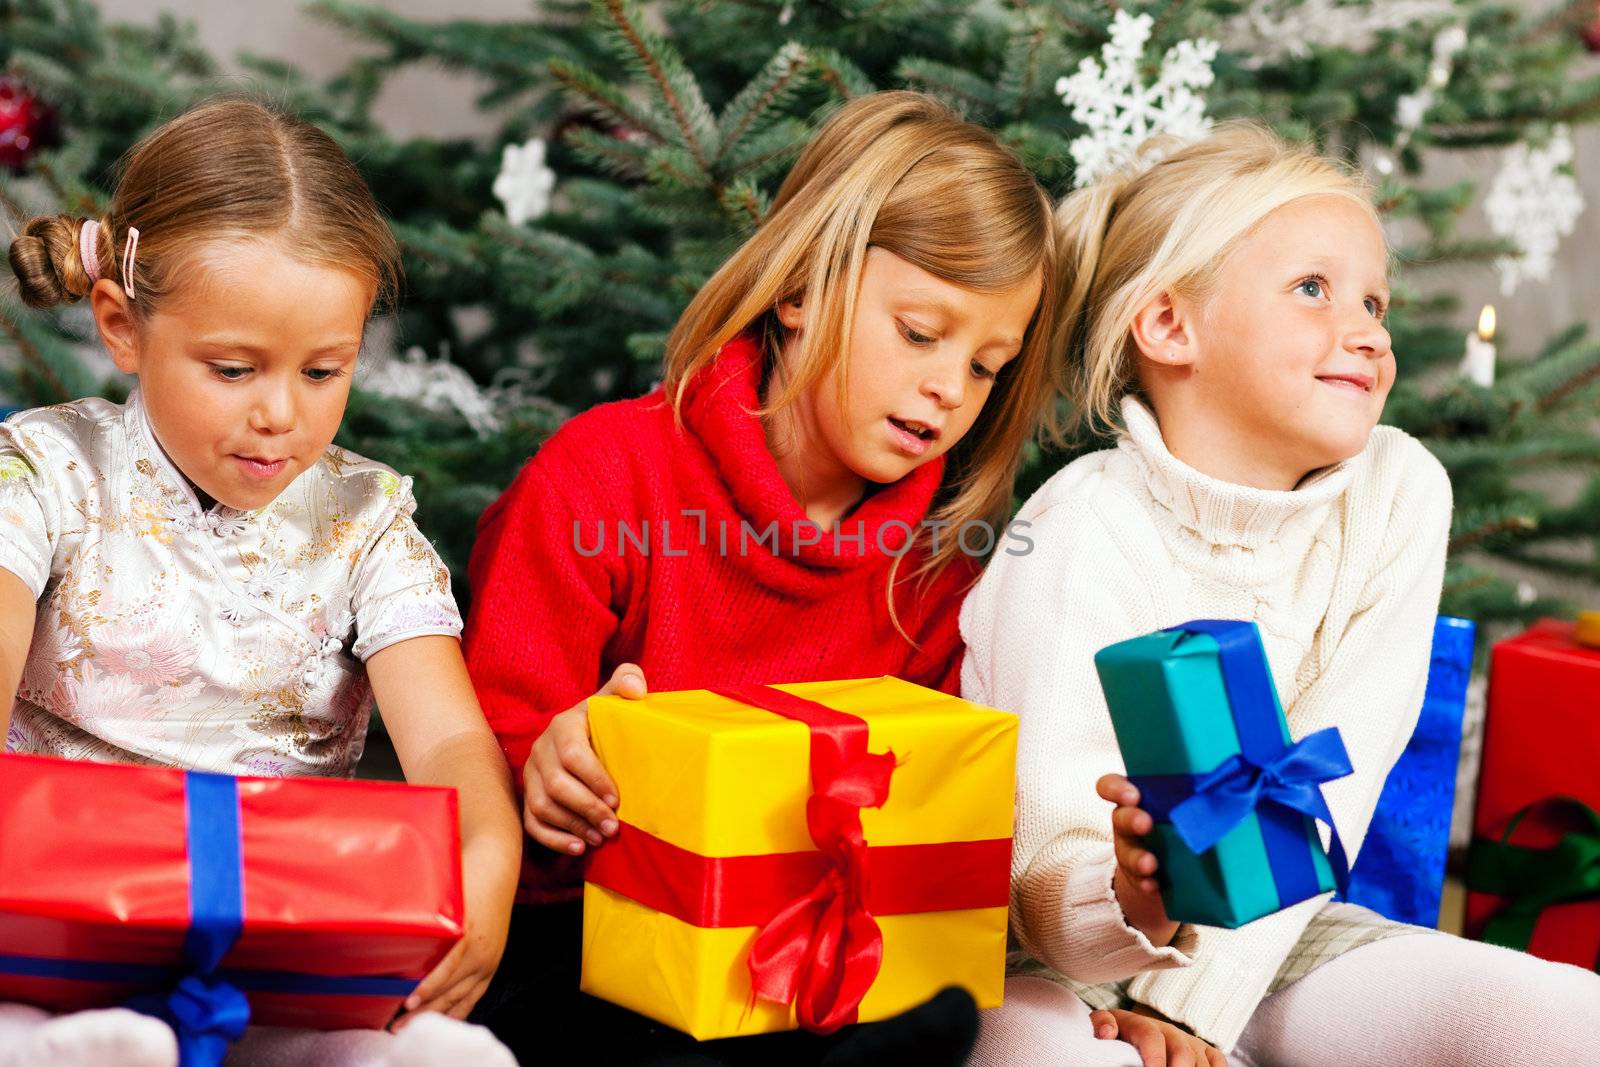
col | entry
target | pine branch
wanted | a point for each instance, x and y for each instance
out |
(1556, 397)
(599, 97)
(1021, 69)
(673, 84)
(949, 81)
(49, 361)
(844, 78)
(744, 204)
(1168, 13)
(1489, 530)
(611, 155)
(1570, 17)
(1467, 458)
(784, 74)
(57, 391)
(16, 214)
(1565, 339)
(676, 167)
(506, 52)
(1551, 380)
(766, 151)
(1474, 250)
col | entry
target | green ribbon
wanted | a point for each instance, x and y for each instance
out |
(1533, 879)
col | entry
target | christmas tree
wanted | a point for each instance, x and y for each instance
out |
(640, 144)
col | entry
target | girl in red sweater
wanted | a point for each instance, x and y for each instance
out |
(804, 498)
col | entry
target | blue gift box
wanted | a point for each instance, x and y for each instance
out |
(1400, 870)
(1234, 798)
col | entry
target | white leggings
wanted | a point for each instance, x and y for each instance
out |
(30, 1037)
(1424, 1000)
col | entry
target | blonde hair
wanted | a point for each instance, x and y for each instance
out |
(1124, 240)
(227, 169)
(901, 172)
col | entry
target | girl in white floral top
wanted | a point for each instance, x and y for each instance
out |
(197, 578)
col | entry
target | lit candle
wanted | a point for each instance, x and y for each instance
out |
(1478, 364)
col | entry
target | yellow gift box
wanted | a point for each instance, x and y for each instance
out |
(723, 802)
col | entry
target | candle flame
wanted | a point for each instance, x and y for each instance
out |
(1486, 323)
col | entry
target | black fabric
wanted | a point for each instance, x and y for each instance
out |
(533, 1005)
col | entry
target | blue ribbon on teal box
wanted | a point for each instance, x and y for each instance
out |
(1235, 800)
(1400, 872)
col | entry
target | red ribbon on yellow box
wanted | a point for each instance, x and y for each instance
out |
(818, 946)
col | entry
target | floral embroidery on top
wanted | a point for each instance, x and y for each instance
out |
(233, 612)
(267, 579)
(224, 640)
(227, 522)
(159, 657)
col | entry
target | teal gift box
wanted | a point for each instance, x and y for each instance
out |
(1234, 798)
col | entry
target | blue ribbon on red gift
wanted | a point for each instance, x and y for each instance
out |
(206, 1011)
(204, 1003)
(1279, 783)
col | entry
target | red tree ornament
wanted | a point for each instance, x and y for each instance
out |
(1589, 33)
(27, 124)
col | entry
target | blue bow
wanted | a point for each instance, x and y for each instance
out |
(206, 1011)
(1278, 781)
(1225, 796)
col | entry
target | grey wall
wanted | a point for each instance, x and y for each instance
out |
(420, 101)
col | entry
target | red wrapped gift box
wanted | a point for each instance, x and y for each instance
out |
(1541, 742)
(351, 891)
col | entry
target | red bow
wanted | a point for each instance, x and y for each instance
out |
(822, 951)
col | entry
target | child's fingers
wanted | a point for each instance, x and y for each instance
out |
(598, 797)
(1180, 1054)
(1117, 789)
(1136, 862)
(573, 798)
(1215, 1058)
(1148, 1039)
(1135, 822)
(1104, 1023)
(566, 833)
(627, 681)
(1140, 871)
(548, 825)
(457, 1001)
(439, 978)
(473, 993)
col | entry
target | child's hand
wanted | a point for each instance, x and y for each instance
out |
(1160, 1043)
(1137, 890)
(453, 987)
(569, 801)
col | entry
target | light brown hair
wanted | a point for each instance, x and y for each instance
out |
(1137, 233)
(901, 172)
(226, 169)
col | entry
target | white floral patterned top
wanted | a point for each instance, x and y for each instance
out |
(217, 640)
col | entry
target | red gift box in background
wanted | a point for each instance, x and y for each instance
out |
(1541, 740)
(351, 890)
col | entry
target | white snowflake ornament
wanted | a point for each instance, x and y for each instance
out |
(1411, 108)
(1534, 202)
(1121, 111)
(524, 183)
(437, 385)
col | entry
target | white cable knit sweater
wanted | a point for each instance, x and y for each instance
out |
(1342, 576)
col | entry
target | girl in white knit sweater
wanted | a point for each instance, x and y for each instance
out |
(1224, 311)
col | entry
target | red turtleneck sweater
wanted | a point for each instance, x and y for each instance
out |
(563, 592)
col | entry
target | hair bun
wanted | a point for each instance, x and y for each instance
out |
(47, 263)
